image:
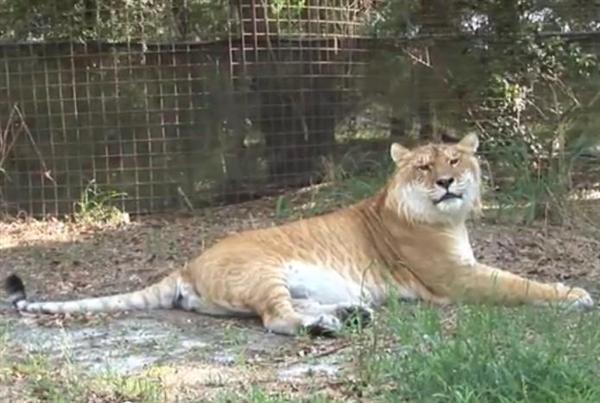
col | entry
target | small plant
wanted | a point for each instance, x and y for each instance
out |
(332, 171)
(256, 394)
(94, 206)
(282, 208)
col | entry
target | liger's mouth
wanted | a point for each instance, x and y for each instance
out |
(447, 196)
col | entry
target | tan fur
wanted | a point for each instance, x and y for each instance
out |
(398, 242)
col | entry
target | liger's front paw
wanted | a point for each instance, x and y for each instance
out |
(576, 297)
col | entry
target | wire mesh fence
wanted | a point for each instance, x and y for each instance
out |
(173, 104)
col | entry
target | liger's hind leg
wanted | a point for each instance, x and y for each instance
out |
(285, 315)
(348, 314)
(189, 300)
(280, 314)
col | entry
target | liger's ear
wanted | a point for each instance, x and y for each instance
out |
(469, 143)
(398, 152)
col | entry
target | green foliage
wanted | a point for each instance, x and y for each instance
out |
(113, 20)
(282, 208)
(291, 9)
(497, 68)
(529, 116)
(95, 206)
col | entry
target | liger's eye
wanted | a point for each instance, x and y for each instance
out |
(454, 161)
(424, 168)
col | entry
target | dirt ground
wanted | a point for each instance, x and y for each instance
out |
(64, 260)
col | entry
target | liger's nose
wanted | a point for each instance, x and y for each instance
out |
(444, 182)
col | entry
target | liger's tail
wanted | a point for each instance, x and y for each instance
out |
(164, 294)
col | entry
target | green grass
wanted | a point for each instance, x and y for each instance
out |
(417, 353)
(342, 192)
(412, 352)
(34, 378)
(46, 383)
(482, 354)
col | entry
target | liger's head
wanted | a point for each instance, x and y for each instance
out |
(436, 183)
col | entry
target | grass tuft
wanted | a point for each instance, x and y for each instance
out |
(97, 206)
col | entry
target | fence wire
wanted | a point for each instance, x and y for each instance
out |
(164, 105)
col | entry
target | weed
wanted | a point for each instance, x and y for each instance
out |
(282, 208)
(94, 206)
(538, 193)
(332, 171)
(132, 388)
(235, 336)
(236, 340)
(258, 395)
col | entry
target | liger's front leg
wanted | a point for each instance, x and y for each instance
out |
(482, 283)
